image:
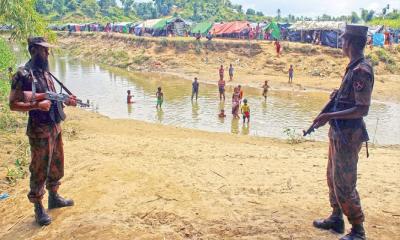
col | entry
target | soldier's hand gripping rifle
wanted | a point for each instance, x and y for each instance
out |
(327, 107)
(52, 96)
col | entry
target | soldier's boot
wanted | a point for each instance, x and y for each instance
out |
(334, 222)
(56, 201)
(40, 214)
(357, 233)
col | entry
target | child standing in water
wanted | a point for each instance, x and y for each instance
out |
(160, 97)
(265, 90)
(291, 70)
(235, 103)
(245, 111)
(129, 97)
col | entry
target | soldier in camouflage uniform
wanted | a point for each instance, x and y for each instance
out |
(346, 136)
(43, 130)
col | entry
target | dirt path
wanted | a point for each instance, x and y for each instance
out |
(134, 180)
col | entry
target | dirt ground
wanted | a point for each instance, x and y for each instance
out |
(135, 180)
(316, 68)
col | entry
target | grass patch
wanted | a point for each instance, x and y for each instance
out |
(140, 59)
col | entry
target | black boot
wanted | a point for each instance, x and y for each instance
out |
(357, 233)
(40, 215)
(56, 201)
(334, 222)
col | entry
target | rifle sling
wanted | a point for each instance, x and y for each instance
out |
(61, 84)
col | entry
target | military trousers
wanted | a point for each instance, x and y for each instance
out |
(43, 151)
(342, 179)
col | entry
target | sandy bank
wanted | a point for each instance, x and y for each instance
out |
(134, 180)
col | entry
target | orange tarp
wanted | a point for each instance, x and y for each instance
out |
(229, 28)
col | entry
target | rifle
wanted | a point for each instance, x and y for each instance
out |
(59, 97)
(328, 106)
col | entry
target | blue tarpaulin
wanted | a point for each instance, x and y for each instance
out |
(330, 38)
(378, 39)
(295, 36)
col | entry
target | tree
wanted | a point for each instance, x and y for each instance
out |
(90, 8)
(72, 5)
(127, 5)
(106, 4)
(260, 14)
(22, 15)
(59, 7)
(355, 18)
(278, 17)
(250, 12)
(43, 7)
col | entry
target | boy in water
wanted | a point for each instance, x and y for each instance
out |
(265, 90)
(129, 97)
(221, 89)
(240, 93)
(221, 72)
(245, 111)
(195, 88)
(291, 70)
(160, 97)
(231, 72)
(222, 114)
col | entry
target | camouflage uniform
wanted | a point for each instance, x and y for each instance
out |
(44, 135)
(346, 138)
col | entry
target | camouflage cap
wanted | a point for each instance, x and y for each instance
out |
(39, 41)
(355, 31)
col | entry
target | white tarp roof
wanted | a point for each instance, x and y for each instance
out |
(150, 23)
(318, 25)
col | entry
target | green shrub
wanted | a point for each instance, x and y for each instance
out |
(140, 59)
(373, 58)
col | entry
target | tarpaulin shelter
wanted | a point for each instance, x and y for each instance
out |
(203, 28)
(231, 29)
(378, 39)
(327, 30)
(73, 27)
(122, 27)
(274, 29)
(176, 26)
(146, 26)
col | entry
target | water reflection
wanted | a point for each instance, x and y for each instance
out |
(160, 115)
(246, 128)
(195, 110)
(235, 126)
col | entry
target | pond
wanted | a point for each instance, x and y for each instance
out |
(107, 88)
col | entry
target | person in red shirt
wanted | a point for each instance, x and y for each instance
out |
(129, 97)
(277, 47)
(221, 72)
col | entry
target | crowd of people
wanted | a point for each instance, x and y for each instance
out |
(239, 103)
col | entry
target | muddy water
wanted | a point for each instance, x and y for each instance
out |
(106, 88)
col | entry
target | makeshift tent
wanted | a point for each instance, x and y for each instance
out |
(122, 27)
(146, 27)
(203, 28)
(274, 29)
(318, 26)
(237, 27)
(378, 39)
(330, 39)
(176, 26)
(323, 29)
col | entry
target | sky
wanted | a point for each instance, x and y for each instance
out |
(315, 8)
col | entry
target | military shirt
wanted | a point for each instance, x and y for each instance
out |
(40, 124)
(355, 90)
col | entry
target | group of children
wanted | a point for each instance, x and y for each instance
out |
(237, 95)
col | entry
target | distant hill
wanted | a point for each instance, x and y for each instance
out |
(108, 10)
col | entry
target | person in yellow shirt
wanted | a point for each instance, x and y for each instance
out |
(245, 111)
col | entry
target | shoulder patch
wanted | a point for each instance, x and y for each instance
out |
(359, 84)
